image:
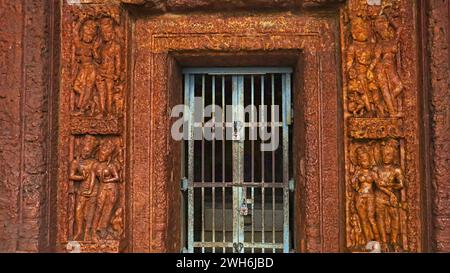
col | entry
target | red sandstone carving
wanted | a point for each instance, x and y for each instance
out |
(380, 107)
(376, 123)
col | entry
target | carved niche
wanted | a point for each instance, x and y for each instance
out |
(378, 185)
(92, 181)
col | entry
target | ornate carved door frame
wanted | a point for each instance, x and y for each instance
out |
(134, 76)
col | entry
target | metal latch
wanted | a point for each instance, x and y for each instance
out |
(238, 247)
(184, 184)
(237, 126)
(244, 208)
(292, 185)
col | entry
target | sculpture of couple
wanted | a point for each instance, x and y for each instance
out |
(97, 193)
(372, 67)
(99, 68)
(379, 197)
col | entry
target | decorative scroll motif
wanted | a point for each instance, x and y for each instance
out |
(376, 185)
(375, 128)
(96, 85)
(93, 125)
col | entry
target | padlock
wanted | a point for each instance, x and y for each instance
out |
(237, 126)
(244, 209)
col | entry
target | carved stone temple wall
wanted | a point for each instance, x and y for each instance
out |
(86, 85)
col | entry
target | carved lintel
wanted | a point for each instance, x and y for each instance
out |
(375, 128)
(95, 126)
(183, 5)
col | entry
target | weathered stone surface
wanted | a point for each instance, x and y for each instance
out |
(34, 214)
(185, 5)
(24, 81)
(438, 48)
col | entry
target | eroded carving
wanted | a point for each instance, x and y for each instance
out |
(110, 75)
(376, 199)
(377, 196)
(98, 71)
(374, 85)
(384, 68)
(83, 195)
(375, 128)
(391, 199)
(107, 173)
(94, 82)
(363, 182)
(95, 173)
(85, 55)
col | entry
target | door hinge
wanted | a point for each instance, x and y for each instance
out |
(184, 184)
(292, 185)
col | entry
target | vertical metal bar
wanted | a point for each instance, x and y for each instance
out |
(213, 166)
(223, 163)
(183, 204)
(235, 163)
(252, 121)
(286, 101)
(189, 100)
(203, 164)
(272, 119)
(240, 143)
(262, 169)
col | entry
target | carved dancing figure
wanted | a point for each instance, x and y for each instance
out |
(390, 188)
(81, 172)
(108, 175)
(109, 66)
(384, 68)
(363, 182)
(85, 55)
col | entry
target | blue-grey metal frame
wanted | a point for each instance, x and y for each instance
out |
(239, 243)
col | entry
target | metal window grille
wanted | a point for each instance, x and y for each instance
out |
(237, 196)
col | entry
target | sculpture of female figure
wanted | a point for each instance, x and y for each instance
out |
(384, 68)
(81, 172)
(363, 182)
(390, 187)
(108, 176)
(85, 55)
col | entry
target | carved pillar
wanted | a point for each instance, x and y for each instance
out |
(24, 125)
(382, 181)
(439, 42)
(91, 177)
